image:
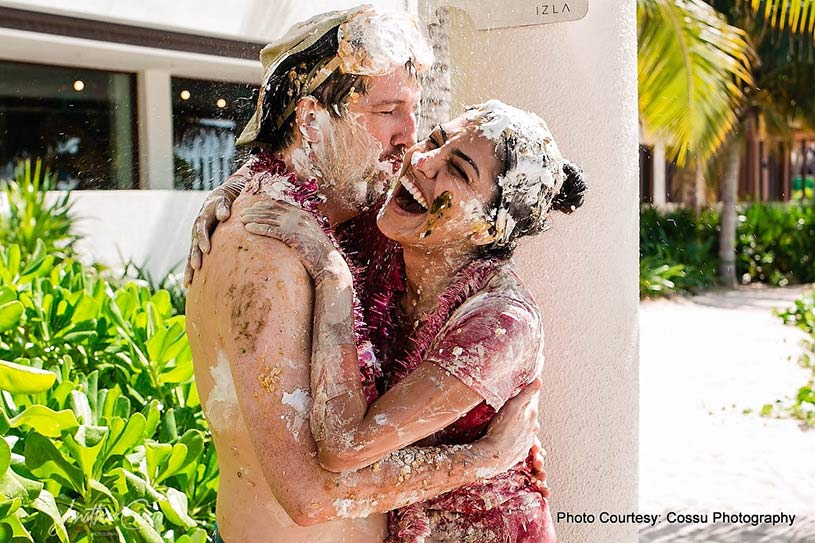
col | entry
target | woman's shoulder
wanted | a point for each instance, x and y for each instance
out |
(508, 290)
(504, 298)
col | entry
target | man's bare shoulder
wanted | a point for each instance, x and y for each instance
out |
(247, 279)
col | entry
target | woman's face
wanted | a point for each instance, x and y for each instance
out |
(446, 184)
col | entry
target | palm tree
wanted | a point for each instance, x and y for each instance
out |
(696, 72)
(782, 32)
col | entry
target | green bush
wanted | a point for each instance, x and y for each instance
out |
(801, 315)
(31, 217)
(776, 244)
(679, 251)
(103, 435)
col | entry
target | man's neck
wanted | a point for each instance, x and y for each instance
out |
(335, 214)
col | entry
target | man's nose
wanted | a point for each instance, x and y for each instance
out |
(406, 132)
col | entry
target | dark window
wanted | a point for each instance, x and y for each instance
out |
(80, 122)
(207, 118)
(646, 174)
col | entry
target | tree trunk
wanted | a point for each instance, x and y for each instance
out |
(727, 234)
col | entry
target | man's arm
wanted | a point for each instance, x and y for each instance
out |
(349, 434)
(267, 339)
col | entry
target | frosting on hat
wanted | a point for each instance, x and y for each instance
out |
(375, 43)
(371, 43)
(534, 168)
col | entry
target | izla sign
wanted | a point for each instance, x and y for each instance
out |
(489, 14)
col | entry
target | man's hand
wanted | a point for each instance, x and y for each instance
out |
(215, 209)
(299, 230)
(514, 428)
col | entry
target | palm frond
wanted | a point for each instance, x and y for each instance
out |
(796, 15)
(692, 68)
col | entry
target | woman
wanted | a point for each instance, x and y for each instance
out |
(451, 324)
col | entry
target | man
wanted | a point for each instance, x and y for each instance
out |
(336, 110)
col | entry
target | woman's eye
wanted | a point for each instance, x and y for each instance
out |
(457, 170)
(386, 112)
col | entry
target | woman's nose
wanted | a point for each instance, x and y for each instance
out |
(425, 162)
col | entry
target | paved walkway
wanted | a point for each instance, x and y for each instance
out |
(703, 361)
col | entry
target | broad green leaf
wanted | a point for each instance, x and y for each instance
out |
(128, 483)
(81, 407)
(19, 379)
(17, 529)
(135, 520)
(7, 508)
(46, 504)
(132, 434)
(175, 508)
(153, 416)
(7, 294)
(46, 421)
(5, 457)
(45, 461)
(10, 313)
(98, 488)
(156, 454)
(84, 446)
(175, 462)
(13, 485)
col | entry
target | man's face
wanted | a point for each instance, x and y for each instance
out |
(388, 112)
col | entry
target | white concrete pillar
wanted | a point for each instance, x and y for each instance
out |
(155, 122)
(658, 174)
(582, 78)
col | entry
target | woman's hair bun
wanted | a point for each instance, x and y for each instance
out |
(573, 190)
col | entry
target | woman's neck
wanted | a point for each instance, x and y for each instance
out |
(428, 273)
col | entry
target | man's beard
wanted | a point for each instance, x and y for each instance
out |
(346, 161)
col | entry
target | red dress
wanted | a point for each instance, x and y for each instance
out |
(485, 313)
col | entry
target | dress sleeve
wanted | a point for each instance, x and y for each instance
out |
(493, 344)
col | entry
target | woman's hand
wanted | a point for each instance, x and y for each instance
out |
(300, 231)
(216, 209)
(538, 455)
(513, 430)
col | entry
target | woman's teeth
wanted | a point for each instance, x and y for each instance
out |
(414, 191)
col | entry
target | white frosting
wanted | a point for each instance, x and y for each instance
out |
(375, 43)
(222, 401)
(537, 174)
(300, 401)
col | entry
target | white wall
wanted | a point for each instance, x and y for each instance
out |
(581, 78)
(245, 20)
(151, 228)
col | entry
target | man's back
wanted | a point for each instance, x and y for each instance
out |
(249, 312)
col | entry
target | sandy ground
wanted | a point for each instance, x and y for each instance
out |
(703, 361)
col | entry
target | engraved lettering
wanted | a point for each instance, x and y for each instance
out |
(553, 9)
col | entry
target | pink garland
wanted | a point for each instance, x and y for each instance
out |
(306, 194)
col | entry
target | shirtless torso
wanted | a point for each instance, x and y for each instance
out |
(249, 321)
(225, 303)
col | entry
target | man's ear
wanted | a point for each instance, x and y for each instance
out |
(305, 116)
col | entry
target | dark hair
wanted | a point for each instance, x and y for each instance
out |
(527, 219)
(285, 86)
(572, 192)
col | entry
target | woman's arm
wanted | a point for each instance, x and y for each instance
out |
(349, 434)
